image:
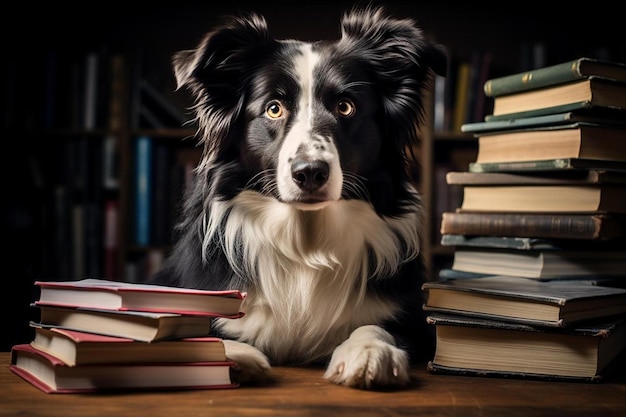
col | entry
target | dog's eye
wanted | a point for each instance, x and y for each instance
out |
(274, 110)
(345, 108)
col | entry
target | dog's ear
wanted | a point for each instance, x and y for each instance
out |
(226, 49)
(398, 42)
(400, 58)
(216, 72)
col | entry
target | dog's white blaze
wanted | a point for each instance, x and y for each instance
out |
(311, 270)
(300, 138)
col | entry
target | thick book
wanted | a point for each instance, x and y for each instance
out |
(51, 375)
(609, 118)
(580, 140)
(509, 242)
(535, 225)
(547, 165)
(584, 94)
(136, 325)
(564, 72)
(586, 198)
(541, 263)
(76, 348)
(475, 346)
(117, 295)
(607, 281)
(521, 300)
(564, 177)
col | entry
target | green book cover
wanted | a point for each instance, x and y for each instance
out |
(577, 106)
(559, 164)
(555, 74)
(607, 117)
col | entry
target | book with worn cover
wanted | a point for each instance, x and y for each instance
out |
(82, 348)
(564, 177)
(116, 295)
(607, 281)
(609, 118)
(579, 140)
(522, 300)
(137, 325)
(481, 347)
(547, 165)
(575, 261)
(588, 93)
(514, 198)
(511, 242)
(564, 72)
(51, 375)
(584, 226)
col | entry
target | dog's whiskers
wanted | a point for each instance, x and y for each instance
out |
(263, 182)
(353, 186)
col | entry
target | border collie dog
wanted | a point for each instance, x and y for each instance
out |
(302, 197)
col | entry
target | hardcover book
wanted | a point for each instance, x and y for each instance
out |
(590, 198)
(547, 165)
(116, 295)
(508, 242)
(535, 225)
(609, 118)
(584, 94)
(596, 142)
(51, 375)
(564, 72)
(82, 348)
(606, 281)
(540, 263)
(142, 326)
(564, 177)
(475, 346)
(527, 301)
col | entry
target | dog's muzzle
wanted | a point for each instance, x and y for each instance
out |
(309, 176)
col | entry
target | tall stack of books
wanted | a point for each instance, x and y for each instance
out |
(96, 335)
(537, 285)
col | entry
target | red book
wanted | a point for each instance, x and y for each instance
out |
(124, 296)
(51, 375)
(82, 348)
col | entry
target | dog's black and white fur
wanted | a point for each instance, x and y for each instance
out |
(302, 197)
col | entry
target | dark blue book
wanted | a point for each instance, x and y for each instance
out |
(143, 190)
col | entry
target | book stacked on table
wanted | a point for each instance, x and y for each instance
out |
(537, 284)
(96, 335)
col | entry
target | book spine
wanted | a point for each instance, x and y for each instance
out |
(143, 189)
(541, 226)
(461, 97)
(533, 79)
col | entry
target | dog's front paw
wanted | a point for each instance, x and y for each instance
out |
(368, 359)
(252, 365)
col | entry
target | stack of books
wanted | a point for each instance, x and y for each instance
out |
(96, 335)
(537, 284)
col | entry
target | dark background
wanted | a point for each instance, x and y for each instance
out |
(157, 32)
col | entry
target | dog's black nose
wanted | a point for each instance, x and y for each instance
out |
(309, 175)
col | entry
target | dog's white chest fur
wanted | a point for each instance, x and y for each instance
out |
(311, 272)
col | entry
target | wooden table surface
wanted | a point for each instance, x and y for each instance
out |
(303, 392)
